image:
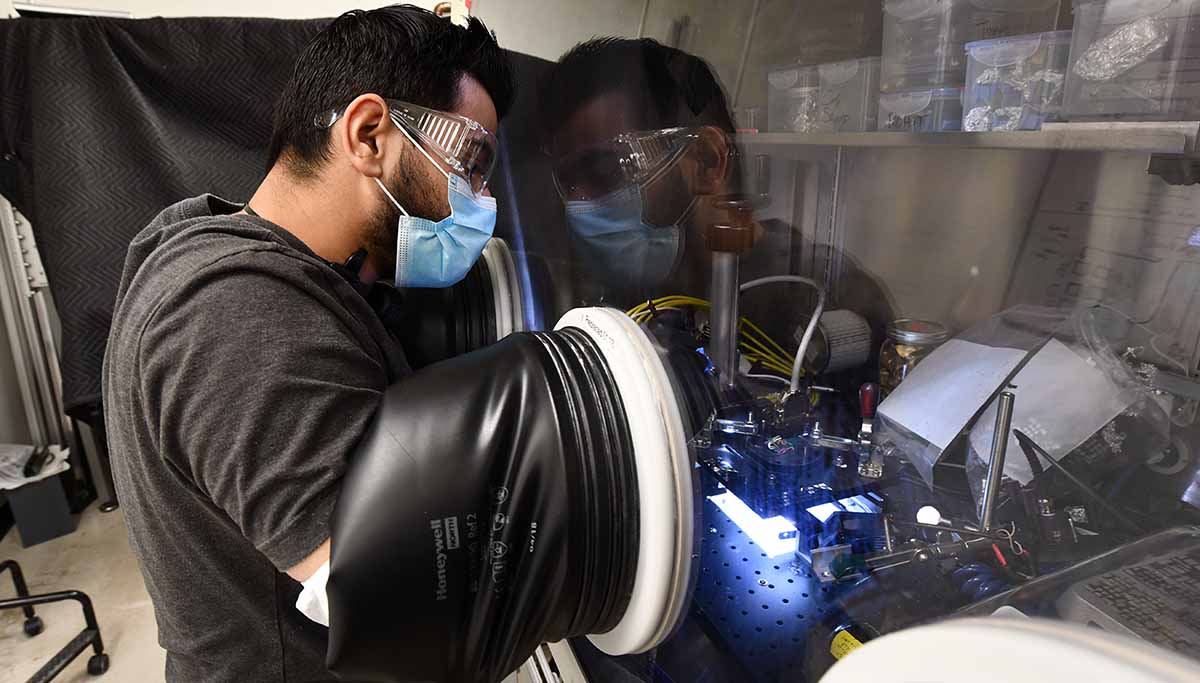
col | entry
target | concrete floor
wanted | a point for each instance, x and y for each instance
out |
(96, 560)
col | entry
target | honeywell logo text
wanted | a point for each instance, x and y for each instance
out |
(440, 559)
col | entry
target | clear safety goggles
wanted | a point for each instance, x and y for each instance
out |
(465, 146)
(636, 158)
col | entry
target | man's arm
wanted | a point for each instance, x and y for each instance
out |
(259, 385)
(309, 566)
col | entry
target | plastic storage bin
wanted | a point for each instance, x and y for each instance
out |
(923, 111)
(1015, 83)
(850, 92)
(1136, 59)
(827, 98)
(923, 40)
(792, 99)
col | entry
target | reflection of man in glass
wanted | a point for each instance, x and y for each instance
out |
(640, 138)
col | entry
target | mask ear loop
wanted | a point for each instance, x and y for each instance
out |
(419, 149)
(389, 196)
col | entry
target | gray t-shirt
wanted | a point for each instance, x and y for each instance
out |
(240, 372)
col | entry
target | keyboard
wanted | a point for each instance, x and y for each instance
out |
(1157, 600)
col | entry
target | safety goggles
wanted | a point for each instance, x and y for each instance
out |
(465, 146)
(636, 158)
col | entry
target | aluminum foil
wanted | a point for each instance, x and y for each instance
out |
(812, 115)
(978, 120)
(1114, 439)
(986, 118)
(1007, 118)
(1123, 49)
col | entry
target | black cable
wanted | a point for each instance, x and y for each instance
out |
(1033, 450)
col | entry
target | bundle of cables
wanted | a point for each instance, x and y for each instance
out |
(756, 345)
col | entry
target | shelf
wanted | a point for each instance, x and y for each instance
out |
(1174, 137)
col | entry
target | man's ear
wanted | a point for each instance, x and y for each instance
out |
(361, 135)
(711, 158)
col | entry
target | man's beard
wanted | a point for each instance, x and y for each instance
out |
(411, 189)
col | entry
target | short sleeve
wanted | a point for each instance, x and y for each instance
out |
(258, 385)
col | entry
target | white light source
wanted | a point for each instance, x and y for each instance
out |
(776, 536)
(824, 511)
(929, 515)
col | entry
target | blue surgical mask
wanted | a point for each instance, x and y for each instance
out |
(440, 253)
(612, 235)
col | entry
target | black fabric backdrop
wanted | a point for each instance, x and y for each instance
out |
(105, 122)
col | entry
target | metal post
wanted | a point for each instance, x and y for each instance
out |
(19, 254)
(724, 320)
(50, 352)
(10, 305)
(991, 492)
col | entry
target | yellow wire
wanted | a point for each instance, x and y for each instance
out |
(764, 343)
(767, 363)
(765, 350)
(767, 337)
(759, 349)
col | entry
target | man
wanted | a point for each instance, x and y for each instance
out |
(611, 99)
(243, 363)
(641, 142)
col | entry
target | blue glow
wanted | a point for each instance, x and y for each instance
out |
(1194, 238)
(859, 504)
(533, 315)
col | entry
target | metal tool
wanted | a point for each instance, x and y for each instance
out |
(870, 459)
(991, 492)
(723, 345)
(728, 240)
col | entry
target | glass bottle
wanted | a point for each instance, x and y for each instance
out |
(908, 343)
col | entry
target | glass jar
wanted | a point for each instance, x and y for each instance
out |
(908, 343)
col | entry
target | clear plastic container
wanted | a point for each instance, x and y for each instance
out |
(850, 92)
(827, 98)
(923, 39)
(793, 103)
(924, 111)
(1015, 83)
(1136, 59)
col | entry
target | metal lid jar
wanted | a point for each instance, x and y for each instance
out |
(908, 342)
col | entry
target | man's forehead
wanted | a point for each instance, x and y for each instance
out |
(599, 119)
(475, 103)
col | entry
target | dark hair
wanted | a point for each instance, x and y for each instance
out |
(671, 87)
(399, 52)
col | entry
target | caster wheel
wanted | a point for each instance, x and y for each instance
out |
(33, 626)
(98, 664)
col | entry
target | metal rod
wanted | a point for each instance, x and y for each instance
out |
(18, 584)
(833, 242)
(888, 543)
(642, 22)
(42, 374)
(10, 304)
(33, 342)
(741, 72)
(50, 351)
(1004, 413)
(724, 322)
(956, 530)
